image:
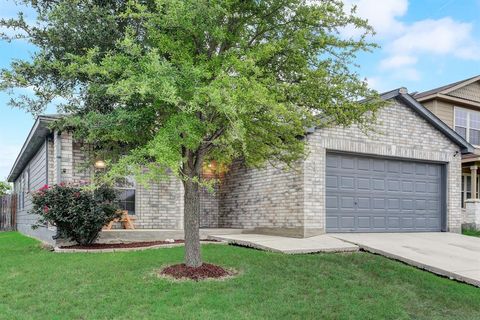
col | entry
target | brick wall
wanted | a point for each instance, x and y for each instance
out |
(268, 200)
(209, 208)
(160, 205)
(81, 171)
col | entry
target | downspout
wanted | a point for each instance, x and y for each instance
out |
(59, 157)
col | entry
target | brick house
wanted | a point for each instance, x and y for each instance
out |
(404, 176)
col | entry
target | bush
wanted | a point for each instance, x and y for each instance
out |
(78, 213)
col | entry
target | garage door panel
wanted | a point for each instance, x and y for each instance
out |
(347, 163)
(332, 181)
(333, 161)
(347, 221)
(408, 186)
(332, 223)
(347, 182)
(394, 166)
(332, 202)
(393, 222)
(363, 203)
(363, 184)
(346, 202)
(366, 194)
(364, 222)
(421, 169)
(378, 165)
(363, 164)
(379, 222)
(378, 184)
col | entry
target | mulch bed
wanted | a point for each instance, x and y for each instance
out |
(96, 246)
(205, 271)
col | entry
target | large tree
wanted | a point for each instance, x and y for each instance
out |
(165, 86)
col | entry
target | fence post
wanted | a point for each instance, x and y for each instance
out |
(14, 212)
(8, 212)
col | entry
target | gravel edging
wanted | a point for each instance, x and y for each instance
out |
(60, 250)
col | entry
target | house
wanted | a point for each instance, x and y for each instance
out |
(404, 176)
(458, 105)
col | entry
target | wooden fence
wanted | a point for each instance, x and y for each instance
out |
(8, 212)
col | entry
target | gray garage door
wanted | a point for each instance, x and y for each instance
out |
(368, 194)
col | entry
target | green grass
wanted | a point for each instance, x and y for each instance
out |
(36, 284)
(471, 232)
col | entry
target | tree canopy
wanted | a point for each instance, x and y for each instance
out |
(170, 84)
(4, 188)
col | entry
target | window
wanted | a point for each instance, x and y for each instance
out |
(467, 124)
(126, 195)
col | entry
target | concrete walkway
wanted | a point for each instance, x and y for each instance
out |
(447, 254)
(323, 243)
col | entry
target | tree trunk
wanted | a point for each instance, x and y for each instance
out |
(191, 218)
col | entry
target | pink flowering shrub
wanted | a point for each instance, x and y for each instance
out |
(79, 214)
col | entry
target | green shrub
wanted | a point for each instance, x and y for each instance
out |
(78, 213)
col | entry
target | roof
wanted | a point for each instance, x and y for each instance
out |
(402, 95)
(445, 89)
(34, 141)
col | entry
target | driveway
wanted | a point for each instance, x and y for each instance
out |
(448, 254)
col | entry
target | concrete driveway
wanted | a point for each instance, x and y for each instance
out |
(322, 243)
(448, 254)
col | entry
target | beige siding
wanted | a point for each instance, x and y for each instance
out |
(37, 168)
(470, 92)
(443, 110)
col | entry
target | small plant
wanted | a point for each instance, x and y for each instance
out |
(78, 213)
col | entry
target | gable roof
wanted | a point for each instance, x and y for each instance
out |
(445, 90)
(402, 95)
(34, 141)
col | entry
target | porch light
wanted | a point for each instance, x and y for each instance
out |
(100, 164)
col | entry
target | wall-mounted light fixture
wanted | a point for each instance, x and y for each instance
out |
(100, 164)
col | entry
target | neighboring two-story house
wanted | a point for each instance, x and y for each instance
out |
(458, 105)
(403, 176)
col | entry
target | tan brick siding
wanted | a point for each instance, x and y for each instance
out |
(261, 198)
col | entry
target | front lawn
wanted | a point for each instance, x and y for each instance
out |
(36, 284)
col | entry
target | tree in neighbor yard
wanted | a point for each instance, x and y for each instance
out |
(163, 87)
(4, 188)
